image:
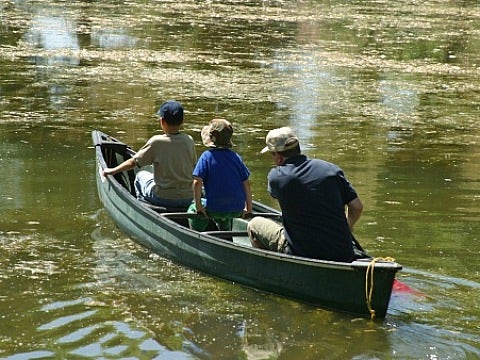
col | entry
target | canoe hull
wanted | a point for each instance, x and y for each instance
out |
(333, 285)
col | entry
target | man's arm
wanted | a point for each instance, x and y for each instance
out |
(354, 211)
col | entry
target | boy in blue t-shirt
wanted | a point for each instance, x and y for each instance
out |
(224, 177)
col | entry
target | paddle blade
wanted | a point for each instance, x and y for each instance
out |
(399, 286)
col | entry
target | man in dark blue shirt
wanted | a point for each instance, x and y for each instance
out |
(313, 195)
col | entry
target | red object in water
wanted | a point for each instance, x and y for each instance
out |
(402, 287)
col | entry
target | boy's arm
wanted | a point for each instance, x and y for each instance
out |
(248, 196)
(197, 194)
(126, 165)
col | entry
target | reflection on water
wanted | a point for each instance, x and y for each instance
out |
(389, 91)
(310, 87)
(400, 103)
(53, 33)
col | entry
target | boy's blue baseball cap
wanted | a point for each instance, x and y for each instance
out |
(171, 111)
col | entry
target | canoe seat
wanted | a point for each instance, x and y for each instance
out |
(162, 209)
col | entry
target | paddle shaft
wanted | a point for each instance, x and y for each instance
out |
(357, 244)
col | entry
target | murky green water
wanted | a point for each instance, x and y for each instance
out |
(388, 90)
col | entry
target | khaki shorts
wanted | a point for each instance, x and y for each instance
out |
(267, 232)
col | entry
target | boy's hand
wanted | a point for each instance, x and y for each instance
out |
(201, 210)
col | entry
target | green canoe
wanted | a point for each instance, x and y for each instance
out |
(357, 287)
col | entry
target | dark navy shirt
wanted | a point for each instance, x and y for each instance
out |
(312, 195)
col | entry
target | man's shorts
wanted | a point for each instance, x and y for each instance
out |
(267, 232)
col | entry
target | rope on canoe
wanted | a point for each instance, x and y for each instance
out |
(369, 282)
